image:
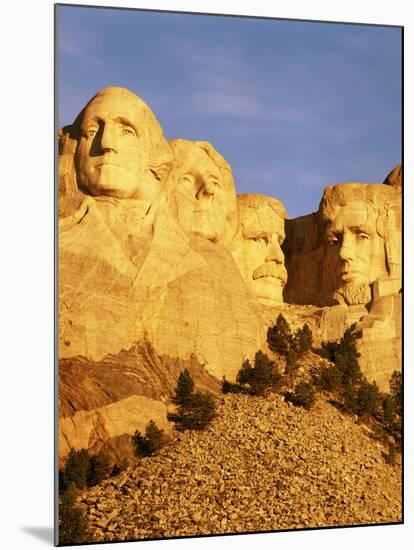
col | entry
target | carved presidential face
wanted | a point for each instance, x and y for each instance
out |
(202, 196)
(354, 251)
(113, 148)
(258, 252)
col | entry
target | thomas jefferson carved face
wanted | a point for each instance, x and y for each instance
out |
(355, 252)
(114, 145)
(204, 195)
(258, 249)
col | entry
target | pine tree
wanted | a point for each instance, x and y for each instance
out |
(73, 525)
(245, 373)
(279, 336)
(198, 412)
(184, 389)
(303, 396)
(291, 365)
(151, 442)
(388, 408)
(368, 398)
(260, 378)
(346, 359)
(195, 410)
(302, 340)
(263, 374)
(330, 378)
(77, 468)
(99, 468)
(396, 389)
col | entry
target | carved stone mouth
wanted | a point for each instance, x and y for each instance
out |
(350, 274)
(270, 270)
(279, 278)
(107, 164)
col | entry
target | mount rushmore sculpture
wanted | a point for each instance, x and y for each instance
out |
(155, 246)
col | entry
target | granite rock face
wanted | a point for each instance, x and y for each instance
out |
(395, 177)
(103, 402)
(157, 252)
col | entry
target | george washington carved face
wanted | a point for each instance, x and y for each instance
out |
(116, 135)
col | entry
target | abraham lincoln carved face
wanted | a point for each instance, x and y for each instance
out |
(354, 241)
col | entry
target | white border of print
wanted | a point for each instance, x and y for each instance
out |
(27, 270)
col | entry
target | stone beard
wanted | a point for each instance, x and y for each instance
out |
(257, 250)
(353, 295)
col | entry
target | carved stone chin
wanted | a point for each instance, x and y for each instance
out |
(353, 295)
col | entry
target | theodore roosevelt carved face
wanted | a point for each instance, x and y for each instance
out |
(258, 250)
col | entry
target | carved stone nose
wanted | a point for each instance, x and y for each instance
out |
(274, 253)
(109, 138)
(346, 251)
(206, 190)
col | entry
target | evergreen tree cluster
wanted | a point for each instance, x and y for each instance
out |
(303, 396)
(83, 470)
(260, 378)
(292, 346)
(73, 524)
(281, 340)
(345, 378)
(195, 410)
(152, 440)
(345, 371)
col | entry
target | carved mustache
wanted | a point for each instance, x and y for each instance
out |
(270, 269)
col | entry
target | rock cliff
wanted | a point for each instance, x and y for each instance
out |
(163, 266)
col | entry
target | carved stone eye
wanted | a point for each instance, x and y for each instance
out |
(261, 240)
(187, 179)
(90, 132)
(126, 130)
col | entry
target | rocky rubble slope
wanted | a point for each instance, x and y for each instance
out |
(262, 465)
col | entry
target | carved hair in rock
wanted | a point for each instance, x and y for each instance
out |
(257, 201)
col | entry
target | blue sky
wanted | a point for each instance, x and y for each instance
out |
(293, 106)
